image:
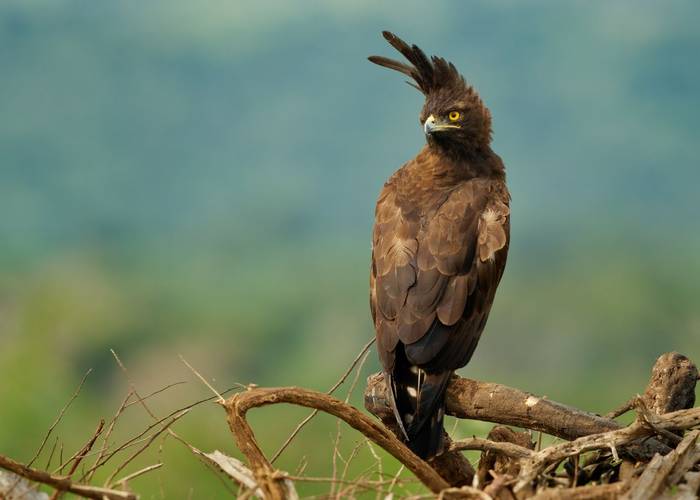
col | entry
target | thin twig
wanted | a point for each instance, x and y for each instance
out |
(156, 392)
(105, 439)
(58, 418)
(622, 409)
(336, 445)
(311, 415)
(145, 446)
(53, 449)
(136, 474)
(79, 455)
(353, 454)
(172, 433)
(504, 447)
(312, 479)
(145, 406)
(110, 428)
(221, 399)
(82, 452)
(131, 383)
(377, 459)
(145, 431)
(336, 454)
(396, 477)
(303, 463)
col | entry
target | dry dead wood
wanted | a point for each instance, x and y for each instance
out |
(490, 402)
(690, 489)
(500, 464)
(62, 483)
(672, 384)
(667, 470)
(268, 480)
(512, 462)
(453, 466)
(588, 492)
(500, 404)
(614, 440)
(509, 465)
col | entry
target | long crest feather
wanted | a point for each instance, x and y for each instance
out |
(392, 64)
(430, 74)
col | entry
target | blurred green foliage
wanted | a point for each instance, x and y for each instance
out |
(199, 178)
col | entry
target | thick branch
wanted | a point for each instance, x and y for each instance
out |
(471, 399)
(501, 404)
(240, 403)
(62, 483)
(490, 402)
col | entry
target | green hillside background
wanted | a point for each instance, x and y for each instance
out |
(199, 178)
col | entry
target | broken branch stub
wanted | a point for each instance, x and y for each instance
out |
(672, 384)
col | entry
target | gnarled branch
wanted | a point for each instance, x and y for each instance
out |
(500, 404)
(679, 420)
(672, 382)
(238, 404)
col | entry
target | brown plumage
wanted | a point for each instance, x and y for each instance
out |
(439, 247)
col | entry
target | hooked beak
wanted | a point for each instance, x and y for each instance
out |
(432, 126)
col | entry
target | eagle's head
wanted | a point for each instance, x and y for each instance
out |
(453, 116)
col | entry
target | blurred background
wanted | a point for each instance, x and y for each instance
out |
(199, 178)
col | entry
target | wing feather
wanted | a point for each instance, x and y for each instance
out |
(434, 275)
(451, 307)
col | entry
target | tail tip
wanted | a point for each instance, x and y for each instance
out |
(429, 441)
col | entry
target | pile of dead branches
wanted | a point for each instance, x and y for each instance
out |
(657, 455)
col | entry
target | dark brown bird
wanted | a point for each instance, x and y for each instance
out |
(439, 246)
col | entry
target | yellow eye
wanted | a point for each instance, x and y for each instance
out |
(453, 116)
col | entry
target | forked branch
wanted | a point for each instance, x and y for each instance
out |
(238, 404)
(671, 388)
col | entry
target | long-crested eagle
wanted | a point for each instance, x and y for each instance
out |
(439, 246)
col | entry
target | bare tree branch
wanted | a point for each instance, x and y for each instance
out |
(311, 415)
(62, 483)
(679, 420)
(79, 455)
(59, 417)
(238, 404)
(500, 404)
